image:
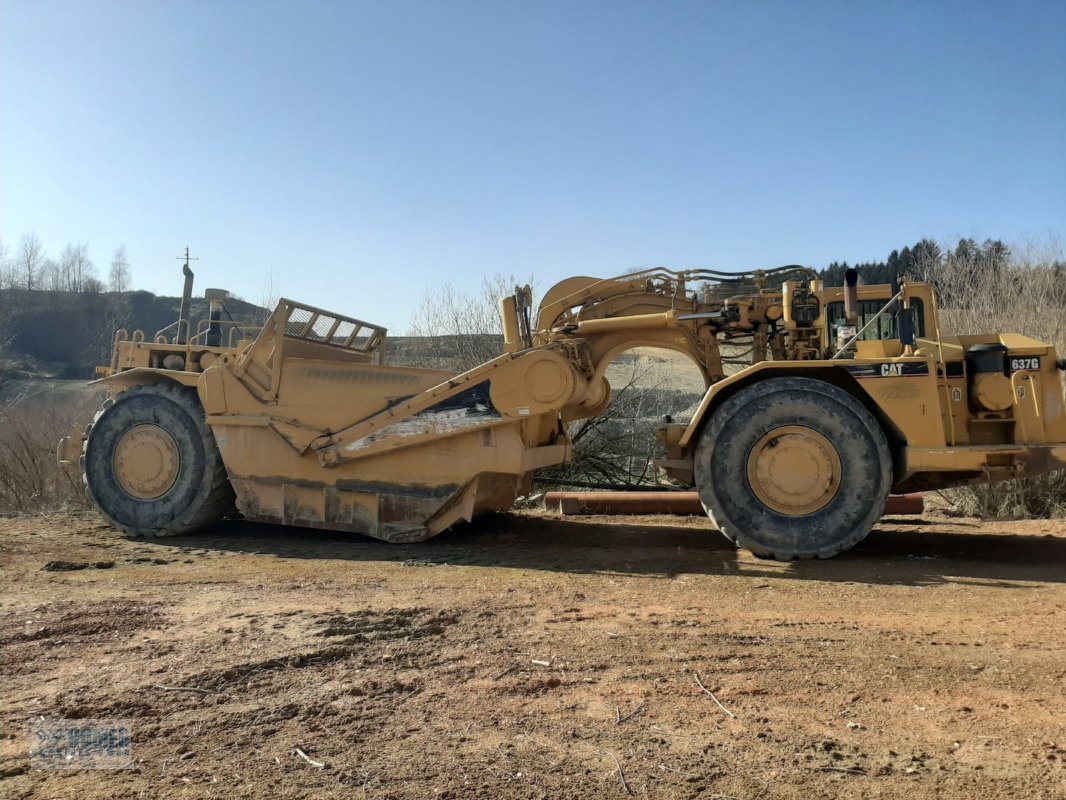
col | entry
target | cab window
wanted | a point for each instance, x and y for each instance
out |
(885, 328)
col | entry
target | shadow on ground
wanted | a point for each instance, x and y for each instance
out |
(903, 552)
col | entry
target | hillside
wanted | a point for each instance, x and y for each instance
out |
(66, 334)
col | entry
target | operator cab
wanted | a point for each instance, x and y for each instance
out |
(883, 327)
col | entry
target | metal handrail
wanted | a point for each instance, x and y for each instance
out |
(176, 325)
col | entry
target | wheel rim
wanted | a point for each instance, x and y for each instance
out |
(794, 470)
(146, 462)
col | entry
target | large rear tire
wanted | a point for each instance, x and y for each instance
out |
(793, 468)
(152, 466)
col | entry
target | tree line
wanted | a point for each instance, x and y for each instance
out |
(923, 260)
(955, 271)
(29, 266)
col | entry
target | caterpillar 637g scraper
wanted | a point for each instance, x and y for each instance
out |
(850, 393)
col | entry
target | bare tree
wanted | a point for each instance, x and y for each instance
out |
(460, 331)
(268, 297)
(5, 278)
(119, 274)
(49, 276)
(29, 261)
(75, 269)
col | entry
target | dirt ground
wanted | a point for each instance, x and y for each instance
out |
(535, 656)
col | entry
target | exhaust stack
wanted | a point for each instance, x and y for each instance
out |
(183, 312)
(851, 295)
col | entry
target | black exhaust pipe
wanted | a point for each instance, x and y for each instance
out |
(851, 295)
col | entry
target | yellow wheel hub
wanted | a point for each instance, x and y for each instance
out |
(794, 470)
(146, 461)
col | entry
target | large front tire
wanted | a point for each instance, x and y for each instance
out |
(793, 468)
(152, 466)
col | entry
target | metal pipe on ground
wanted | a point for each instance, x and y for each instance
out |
(681, 503)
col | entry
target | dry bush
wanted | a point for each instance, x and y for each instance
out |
(616, 449)
(33, 417)
(1027, 294)
(1024, 293)
(1041, 497)
(457, 331)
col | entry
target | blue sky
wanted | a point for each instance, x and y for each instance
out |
(365, 152)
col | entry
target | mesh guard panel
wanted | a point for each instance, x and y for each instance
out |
(315, 325)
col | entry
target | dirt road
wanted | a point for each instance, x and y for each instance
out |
(533, 656)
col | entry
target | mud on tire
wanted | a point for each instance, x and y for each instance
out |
(195, 493)
(733, 433)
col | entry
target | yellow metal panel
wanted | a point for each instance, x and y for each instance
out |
(1032, 460)
(213, 391)
(910, 401)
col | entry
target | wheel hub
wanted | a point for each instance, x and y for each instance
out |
(794, 470)
(146, 461)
